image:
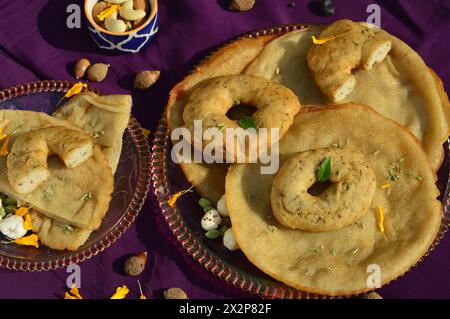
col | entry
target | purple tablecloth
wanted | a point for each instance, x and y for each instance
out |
(35, 44)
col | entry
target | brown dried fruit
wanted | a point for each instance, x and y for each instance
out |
(175, 293)
(99, 7)
(81, 67)
(135, 265)
(141, 5)
(371, 295)
(145, 79)
(97, 72)
(241, 5)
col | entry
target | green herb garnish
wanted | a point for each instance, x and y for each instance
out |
(415, 175)
(247, 122)
(86, 196)
(67, 229)
(212, 234)
(47, 195)
(324, 172)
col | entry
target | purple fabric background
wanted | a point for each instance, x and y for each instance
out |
(36, 44)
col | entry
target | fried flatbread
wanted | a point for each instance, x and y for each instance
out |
(339, 262)
(105, 118)
(63, 194)
(400, 88)
(209, 179)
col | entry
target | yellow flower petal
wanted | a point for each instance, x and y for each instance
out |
(76, 89)
(22, 211)
(4, 149)
(69, 296)
(2, 136)
(381, 219)
(322, 40)
(142, 296)
(27, 224)
(385, 186)
(31, 240)
(74, 291)
(121, 293)
(173, 199)
(145, 132)
(108, 11)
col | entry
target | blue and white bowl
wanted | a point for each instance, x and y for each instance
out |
(123, 42)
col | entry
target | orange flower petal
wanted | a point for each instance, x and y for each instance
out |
(31, 240)
(76, 89)
(22, 211)
(173, 199)
(121, 293)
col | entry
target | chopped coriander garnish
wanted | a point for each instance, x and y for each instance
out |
(247, 122)
(67, 229)
(47, 195)
(86, 196)
(324, 172)
(415, 175)
(272, 228)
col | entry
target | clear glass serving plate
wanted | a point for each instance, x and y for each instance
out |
(184, 219)
(132, 182)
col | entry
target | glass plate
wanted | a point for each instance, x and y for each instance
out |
(184, 220)
(132, 182)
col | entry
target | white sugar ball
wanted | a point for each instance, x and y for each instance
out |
(229, 241)
(222, 207)
(211, 220)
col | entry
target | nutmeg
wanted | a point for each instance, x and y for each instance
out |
(145, 79)
(175, 293)
(135, 265)
(241, 5)
(97, 72)
(81, 67)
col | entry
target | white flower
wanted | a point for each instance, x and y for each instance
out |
(229, 241)
(211, 220)
(222, 207)
(12, 227)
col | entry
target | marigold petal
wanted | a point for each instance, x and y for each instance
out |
(173, 199)
(322, 40)
(76, 89)
(4, 150)
(22, 211)
(74, 291)
(121, 293)
(31, 240)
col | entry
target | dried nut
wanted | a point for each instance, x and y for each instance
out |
(140, 5)
(241, 5)
(371, 295)
(135, 265)
(99, 7)
(97, 72)
(145, 79)
(115, 25)
(80, 68)
(115, 1)
(175, 293)
(127, 12)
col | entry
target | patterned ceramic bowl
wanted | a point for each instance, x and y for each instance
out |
(123, 42)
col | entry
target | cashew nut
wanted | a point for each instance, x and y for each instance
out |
(115, 1)
(127, 11)
(115, 25)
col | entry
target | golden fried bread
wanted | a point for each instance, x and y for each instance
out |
(337, 262)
